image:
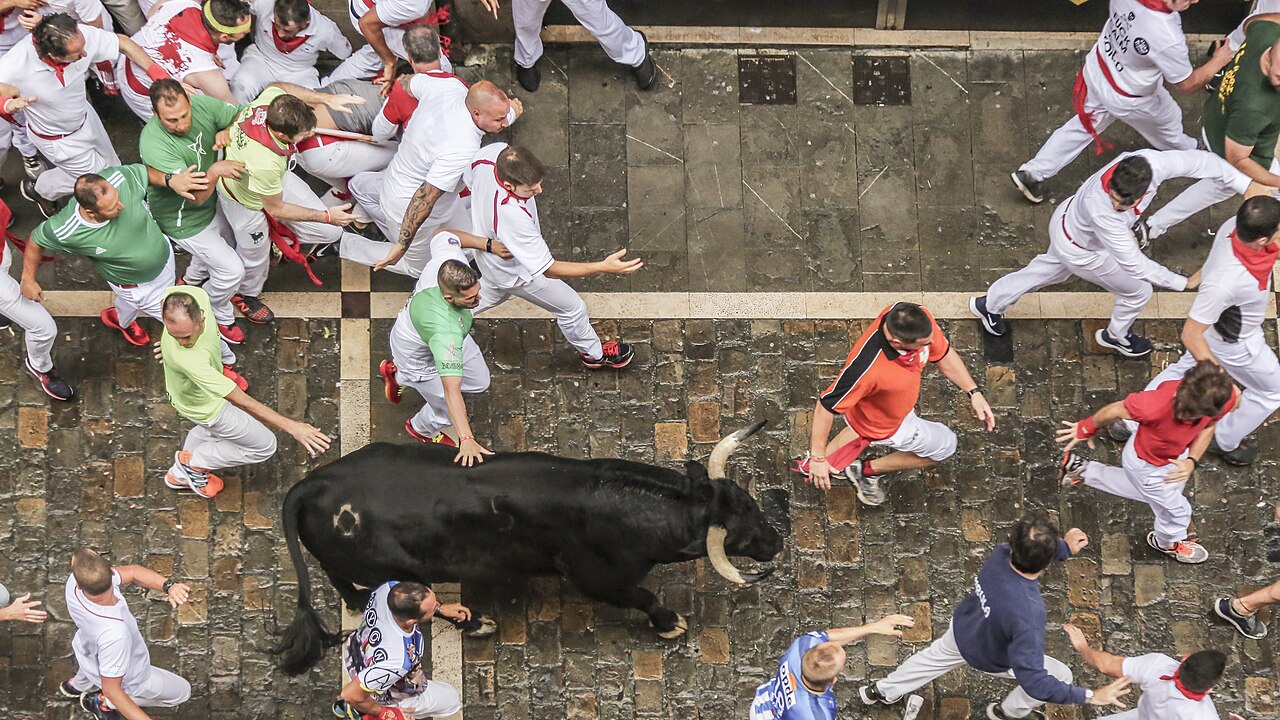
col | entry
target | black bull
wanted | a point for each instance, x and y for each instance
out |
(408, 512)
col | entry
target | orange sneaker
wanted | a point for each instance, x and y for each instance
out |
(201, 481)
(237, 378)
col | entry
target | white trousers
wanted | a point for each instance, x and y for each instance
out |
(144, 298)
(365, 63)
(255, 74)
(1253, 365)
(434, 415)
(87, 150)
(253, 244)
(556, 297)
(373, 190)
(1064, 259)
(621, 43)
(1138, 479)
(438, 699)
(942, 657)
(161, 688)
(215, 264)
(1236, 38)
(12, 135)
(1156, 117)
(338, 162)
(37, 324)
(1199, 196)
(924, 438)
(234, 438)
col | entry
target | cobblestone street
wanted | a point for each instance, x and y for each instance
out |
(822, 196)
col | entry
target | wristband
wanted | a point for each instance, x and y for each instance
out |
(488, 245)
(5, 108)
(327, 219)
(976, 389)
(817, 458)
(155, 72)
(1194, 462)
(465, 438)
(1085, 429)
(166, 586)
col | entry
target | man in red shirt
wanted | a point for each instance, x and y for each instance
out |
(1166, 428)
(876, 394)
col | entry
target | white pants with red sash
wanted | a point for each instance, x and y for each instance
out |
(39, 330)
(85, 150)
(1138, 479)
(337, 162)
(622, 44)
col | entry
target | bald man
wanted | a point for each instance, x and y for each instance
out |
(804, 687)
(418, 192)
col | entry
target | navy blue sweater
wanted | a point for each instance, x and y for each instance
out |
(1000, 627)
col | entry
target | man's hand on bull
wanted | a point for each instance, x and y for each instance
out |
(471, 452)
(309, 437)
(455, 611)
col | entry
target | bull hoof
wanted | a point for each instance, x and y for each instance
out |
(682, 626)
(484, 626)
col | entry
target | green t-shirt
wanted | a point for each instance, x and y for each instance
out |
(442, 327)
(264, 168)
(126, 250)
(168, 153)
(193, 375)
(1246, 107)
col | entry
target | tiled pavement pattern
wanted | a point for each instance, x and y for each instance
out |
(883, 199)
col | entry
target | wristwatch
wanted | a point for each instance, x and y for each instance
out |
(167, 584)
(167, 178)
(977, 389)
(1088, 695)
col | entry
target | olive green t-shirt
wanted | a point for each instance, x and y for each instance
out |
(1246, 107)
(193, 375)
(169, 153)
(442, 327)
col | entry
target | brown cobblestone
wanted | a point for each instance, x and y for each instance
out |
(713, 646)
(922, 631)
(1115, 554)
(129, 478)
(648, 664)
(953, 708)
(670, 441)
(193, 517)
(1082, 582)
(842, 505)
(257, 511)
(704, 421)
(1260, 696)
(196, 609)
(33, 427)
(1148, 584)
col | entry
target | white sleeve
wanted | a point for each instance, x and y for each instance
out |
(395, 13)
(100, 45)
(1173, 62)
(332, 38)
(445, 243)
(446, 170)
(1146, 669)
(1197, 164)
(1211, 301)
(87, 10)
(1121, 245)
(518, 232)
(417, 85)
(383, 130)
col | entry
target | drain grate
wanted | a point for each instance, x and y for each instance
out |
(879, 80)
(767, 79)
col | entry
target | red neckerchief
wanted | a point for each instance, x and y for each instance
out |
(58, 67)
(189, 26)
(1158, 5)
(1106, 186)
(1189, 694)
(286, 46)
(255, 126)
(1258, 262)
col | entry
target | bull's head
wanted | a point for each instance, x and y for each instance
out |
(737, 525)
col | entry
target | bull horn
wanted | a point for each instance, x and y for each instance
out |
(719, 560)
(720, 456)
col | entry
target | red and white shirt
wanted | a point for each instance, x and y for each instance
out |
(508, 218)
(1230, 299)
(1161, 438)
(1140, 48)
(1161, 699)
(176, 39)
(107, 642)
(302, 51)
(440, 139)
(62, 104)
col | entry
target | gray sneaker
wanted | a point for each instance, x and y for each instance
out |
(869, 490)
(1247, 625)
(1027, 185)
(1184, 551)
(1141, 232)
(1245, 454)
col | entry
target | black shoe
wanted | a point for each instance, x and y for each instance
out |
(995, 713)
(33, 166)
(66, 689)
(993, 323)
(5, 322)
(528, 77)
(871, 695)
(646, 72)
(1029, 188)
(615, 355)
(1247, 625)
(326, 250)
(1142, 233)
(1134, 346)
(1241, 456)
(253, 309)
(1119, 431)
(92, 703)
(48, 208)
(52, 383)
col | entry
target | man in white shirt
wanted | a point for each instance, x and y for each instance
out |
(1225, 323)
(183, 36)
(505, 182)
(384, 24)
(1090, 238)
(45, 78)
(1140, 49)
(287, 42)
(1171, 690)
(115, 677)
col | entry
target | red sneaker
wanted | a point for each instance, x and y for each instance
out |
(253, 309)
(134, 334)
(236, 378)
(439, 438)
(388, 372)
(231, 333)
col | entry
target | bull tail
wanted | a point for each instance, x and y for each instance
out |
(305, 640)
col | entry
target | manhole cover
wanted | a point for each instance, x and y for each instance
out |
(767, 79)
(881, 80)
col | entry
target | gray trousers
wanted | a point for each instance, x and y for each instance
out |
(941, 658)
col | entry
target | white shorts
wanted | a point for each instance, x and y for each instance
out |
(925, 438)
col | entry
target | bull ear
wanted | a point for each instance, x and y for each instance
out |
(696, 471)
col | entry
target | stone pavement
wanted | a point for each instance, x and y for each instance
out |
(716, 196)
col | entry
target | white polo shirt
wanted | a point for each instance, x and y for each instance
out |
(1161, 699)
(1140, 48)
(107, 642)
(439, 140)
(1229, 299)
(62, 104)
(392, 13)
(177, 55)
(508, 218)
(321, 34)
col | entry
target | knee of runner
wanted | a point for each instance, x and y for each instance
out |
(263, 452)
(448, 696)
(185, 695)
(946, 448)
(1143, 293)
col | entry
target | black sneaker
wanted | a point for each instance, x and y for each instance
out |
(33, 166)
(1134, 346)
(529, 77)
(993, 323)
(869, 490)
(1071, 471)
(871, 695)
(52, 383)
(1241, 456)
(1029, 187)
(995, 713)
(1141, 232)
(94, 704)
(66, 689)
(5, 323)
(253, 309)
(1247, 625)
(646, 72)
(1119, 431)
(48, 208)
(615, 355)
(326, 250)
